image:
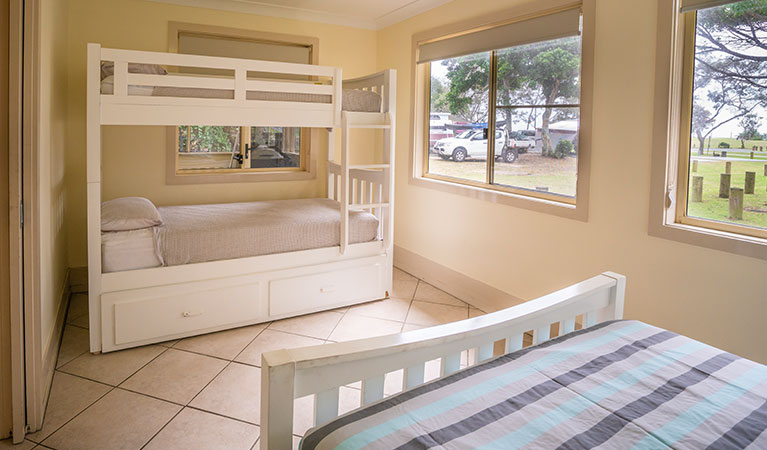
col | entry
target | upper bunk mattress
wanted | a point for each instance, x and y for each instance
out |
(201, 233)
(617, 385)
(352, 99)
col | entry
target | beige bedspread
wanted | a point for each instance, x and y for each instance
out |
(200, 233)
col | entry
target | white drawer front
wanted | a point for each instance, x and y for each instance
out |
(183, 308)
(291, 295)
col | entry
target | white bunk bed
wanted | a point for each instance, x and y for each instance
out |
(138, 307)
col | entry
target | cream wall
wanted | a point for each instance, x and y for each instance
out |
(713, 296)
(134, 157)
(51, 168)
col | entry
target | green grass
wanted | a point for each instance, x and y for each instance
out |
(715, 208)
(734, 143)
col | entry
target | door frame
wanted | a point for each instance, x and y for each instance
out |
(26, 351)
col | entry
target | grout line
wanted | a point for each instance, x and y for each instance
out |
(111, 388)
(161, 428)
(410, 306)
(209, 382)
(197, 408)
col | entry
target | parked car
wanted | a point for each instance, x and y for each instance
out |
(437, 134)
(474, 146)
(521, 141)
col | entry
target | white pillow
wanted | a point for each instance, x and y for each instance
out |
(129, 213)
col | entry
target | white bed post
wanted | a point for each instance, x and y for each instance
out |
(93, 167)
(389, 142)
(344, 194)
(277, 394)
(618, 293)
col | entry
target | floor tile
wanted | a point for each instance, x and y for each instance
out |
(317, 325)
(74, 343)
(169, 344)
(430, 314)
(78, 307)
(428, 293)
(389, 309)
(69, 396)
(270, 340)
(120, 420)
(7, 444)
(474, 312)
(235, 393)
(358, 327)
(175, 376)
(114, 367)
(412, 326)
(198, 430)
(82, 322)
(223, 344)
(403, 286)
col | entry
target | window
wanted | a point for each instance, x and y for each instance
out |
(722, 171)
(216, 152)
(522, 79)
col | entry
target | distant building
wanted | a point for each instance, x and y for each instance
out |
(566, 129)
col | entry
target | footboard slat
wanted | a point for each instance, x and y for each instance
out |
(372, 389)
(485, 351)
(542, 334)
(567, 326)
(514, 343)
(589, 319)
(451, 364)
(414, 375)
(326, 406)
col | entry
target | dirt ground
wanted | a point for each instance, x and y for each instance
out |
(529, 171)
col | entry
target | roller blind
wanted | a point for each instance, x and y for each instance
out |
(692, 5)
(551, 26)
(208, 45)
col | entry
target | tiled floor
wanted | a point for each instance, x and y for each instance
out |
(204, 392)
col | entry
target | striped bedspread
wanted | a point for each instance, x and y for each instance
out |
(617, 385)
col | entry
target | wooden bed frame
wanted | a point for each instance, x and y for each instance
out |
(320, 370)
(139, 307)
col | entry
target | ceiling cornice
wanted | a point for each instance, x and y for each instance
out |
(411, 9)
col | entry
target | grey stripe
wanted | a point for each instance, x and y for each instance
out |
(612, 424)
(313, 439)
(535, 393)
(744, 432)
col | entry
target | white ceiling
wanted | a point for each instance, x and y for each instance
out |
(368, 14)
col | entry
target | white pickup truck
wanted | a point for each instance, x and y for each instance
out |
(521, 141)
(473, 145)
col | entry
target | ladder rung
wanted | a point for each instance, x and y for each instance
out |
(368, 205)
(370, 166)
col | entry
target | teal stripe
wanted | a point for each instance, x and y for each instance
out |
(695, 416)
(438, 407)
(535, 428)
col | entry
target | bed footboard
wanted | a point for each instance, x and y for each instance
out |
(321, 370)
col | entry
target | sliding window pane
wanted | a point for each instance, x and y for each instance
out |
(521, 161)
(275, 147)
(208, 147)
(727, 161)
(458, 114)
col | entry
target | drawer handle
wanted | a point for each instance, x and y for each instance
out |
(191, 313)
(327, 289)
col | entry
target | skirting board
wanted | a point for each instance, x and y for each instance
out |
(51, 354)
(474, 292)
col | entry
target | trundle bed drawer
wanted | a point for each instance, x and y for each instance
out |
(310, 292)
(183, 309)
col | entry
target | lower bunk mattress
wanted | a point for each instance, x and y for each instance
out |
(202, 233)
(620, 384)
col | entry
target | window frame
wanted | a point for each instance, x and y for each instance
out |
(670, 153)
(309, 137)
(559, 205)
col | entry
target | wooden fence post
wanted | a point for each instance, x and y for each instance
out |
(765, 170)
(750, 182)
(728, 167)
(695, 166)
(752, 155)
(724, 185)
(697, 189)
(736, 204)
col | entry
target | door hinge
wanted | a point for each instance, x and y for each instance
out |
(21, 215)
